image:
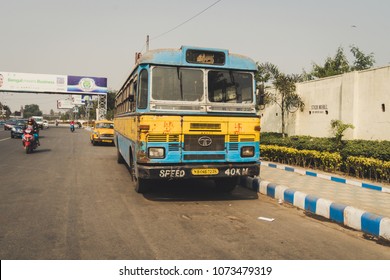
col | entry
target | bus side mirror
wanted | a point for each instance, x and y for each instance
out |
(260, 100)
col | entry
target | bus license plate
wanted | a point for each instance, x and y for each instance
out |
(204, 171)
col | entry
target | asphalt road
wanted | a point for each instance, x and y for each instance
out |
(72, 200)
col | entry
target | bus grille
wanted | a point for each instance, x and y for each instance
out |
(192, 143)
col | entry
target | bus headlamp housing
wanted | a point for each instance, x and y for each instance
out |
(156, 152)
(247, 151)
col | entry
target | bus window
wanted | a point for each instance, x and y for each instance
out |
(143, 90)
(229, 86)
(177, 84)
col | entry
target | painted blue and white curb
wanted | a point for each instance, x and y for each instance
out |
(346, 215)
(326, 177)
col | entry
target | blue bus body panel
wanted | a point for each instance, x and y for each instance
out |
(177, 58)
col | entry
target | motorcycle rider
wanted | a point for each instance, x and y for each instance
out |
(72, 125)
(32, 124)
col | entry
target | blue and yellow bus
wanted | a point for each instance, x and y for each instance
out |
(189, 113)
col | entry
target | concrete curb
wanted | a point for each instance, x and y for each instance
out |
(349, 216)
(326, 177)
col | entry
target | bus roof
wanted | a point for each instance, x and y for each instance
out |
(178, 57)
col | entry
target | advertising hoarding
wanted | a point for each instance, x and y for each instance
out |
(65, 104)
(45, 83)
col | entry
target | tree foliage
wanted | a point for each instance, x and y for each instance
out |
(338, 129)
(110, 104)
(31, 110)
(339, 64)
(7, 110)
(284, 95)
(362, 61)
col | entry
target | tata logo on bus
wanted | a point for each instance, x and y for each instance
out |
(205, 141)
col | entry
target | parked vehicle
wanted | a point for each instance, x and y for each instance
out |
(29, 142)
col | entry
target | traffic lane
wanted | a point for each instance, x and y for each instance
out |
(76, 202)
(228, 227)
(4, 134)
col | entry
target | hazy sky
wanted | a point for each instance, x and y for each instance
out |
(100, 37)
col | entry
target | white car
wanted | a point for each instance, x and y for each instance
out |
(45, 124)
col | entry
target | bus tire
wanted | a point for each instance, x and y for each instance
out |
(226, 184)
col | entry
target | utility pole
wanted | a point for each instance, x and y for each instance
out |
(147, 43)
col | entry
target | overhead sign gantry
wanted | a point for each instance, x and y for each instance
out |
(56, 84)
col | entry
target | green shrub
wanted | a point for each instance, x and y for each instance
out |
(369, 168)
(306, 158)
(365, 148)
(362, 167)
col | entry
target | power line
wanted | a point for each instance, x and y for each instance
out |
(176, 27)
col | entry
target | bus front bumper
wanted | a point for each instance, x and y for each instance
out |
(199, 171)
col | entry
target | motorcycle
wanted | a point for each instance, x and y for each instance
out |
(29, 142)
(72, 127)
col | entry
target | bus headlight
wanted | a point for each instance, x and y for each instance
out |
(156, 152)
(247, 151)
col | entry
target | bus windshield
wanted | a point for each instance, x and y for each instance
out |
(177, 84)
(187, 84)
(229, 86)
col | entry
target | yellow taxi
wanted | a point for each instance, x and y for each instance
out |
(102, 132)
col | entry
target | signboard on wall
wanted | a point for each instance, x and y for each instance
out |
(45, 83)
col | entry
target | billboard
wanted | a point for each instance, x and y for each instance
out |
(73, 101)
(45, 83)
(65, 104)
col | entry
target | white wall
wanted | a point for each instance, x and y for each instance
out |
(354, 98)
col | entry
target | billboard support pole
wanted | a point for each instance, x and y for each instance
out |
(102, 107)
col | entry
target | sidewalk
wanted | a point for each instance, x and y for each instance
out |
(362, 206)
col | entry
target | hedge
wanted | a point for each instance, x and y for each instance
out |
(369, 168)
(363, 148)
(361, 167)
(307, 158)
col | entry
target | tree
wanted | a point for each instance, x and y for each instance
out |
(362, 61)
(284, 95)
(110, 104)
(7, 110)
(339, 64)
(338, 129)
(31, 110)
(333, 66)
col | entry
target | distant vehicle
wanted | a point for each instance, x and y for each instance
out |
(8, 125)
(39, 121)
(103, 132)
(18, 129)
(45, 124)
